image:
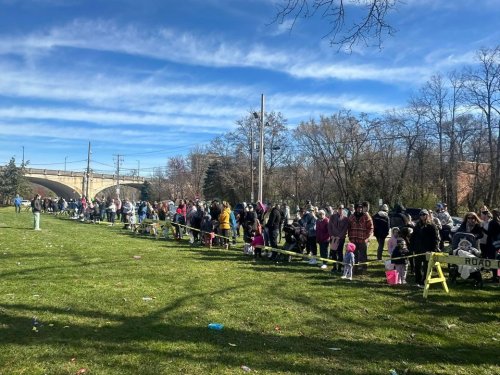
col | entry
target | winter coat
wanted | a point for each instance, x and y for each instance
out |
(425, 238)
(224, 219)
(360, 228)
(274, 220)
(308, 221)
(337, 225)
(381, 224)
(322, 234)
(400, 251)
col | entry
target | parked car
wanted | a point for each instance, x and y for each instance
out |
(25, 203)
(414, 213)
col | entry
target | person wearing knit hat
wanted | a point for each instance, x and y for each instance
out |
(349, 260)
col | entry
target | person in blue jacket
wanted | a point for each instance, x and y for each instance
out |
(17, 203)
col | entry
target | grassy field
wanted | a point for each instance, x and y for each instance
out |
(73, 299)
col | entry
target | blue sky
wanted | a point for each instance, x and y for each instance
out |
(152, 79)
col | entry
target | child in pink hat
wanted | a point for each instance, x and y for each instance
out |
(349, 260)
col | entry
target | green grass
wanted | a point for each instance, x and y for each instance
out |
(82, 284)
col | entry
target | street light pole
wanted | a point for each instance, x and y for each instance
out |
(65, 163)
(261, 148)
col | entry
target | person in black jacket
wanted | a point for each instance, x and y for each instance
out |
(36, 207)
(425, 238)
(381, 228)
(273, 227)
(399, 260)
(493, 241)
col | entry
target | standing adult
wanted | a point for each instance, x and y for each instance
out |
(308, 222)
(337, 229)
(36, 207)
(381, 228)
(118, 204)
(224, 224)
(493, 243)
(485, 223)
(322, 236)
(273, 228)
(17, 203)
(359, 230)
(425, 238)
(112, 212)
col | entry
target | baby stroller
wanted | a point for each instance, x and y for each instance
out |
(462, 247)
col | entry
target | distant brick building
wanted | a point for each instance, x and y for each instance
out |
(469, 175)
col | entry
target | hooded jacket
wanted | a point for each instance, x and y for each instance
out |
(381, 224)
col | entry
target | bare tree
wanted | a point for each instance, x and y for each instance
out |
(483, 90)
(351, 22)
(433, 97)
(337, 145)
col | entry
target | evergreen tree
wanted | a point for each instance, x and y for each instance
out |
(212, 186)
(12, 182)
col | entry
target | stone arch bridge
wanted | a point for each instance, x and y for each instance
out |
(70, 184)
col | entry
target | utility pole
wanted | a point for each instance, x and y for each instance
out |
(119, 159)
(261, 149)
(138, 168)
(252, 183)
(65, 163)
(23, 157)
(87, 174)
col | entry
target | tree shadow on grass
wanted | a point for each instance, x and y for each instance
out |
(154, 335)
(81, 264)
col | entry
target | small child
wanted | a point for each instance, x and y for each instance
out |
(401, 265)
(349, 260)
(257, 244)
(392, 243)
(207, 230)
(154, 215)
(132, 221)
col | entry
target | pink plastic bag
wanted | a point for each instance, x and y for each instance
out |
(392, 277)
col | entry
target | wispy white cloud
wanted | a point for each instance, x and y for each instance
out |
(208, 50)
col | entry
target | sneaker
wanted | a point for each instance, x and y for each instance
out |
(343, 277)
(349, 278)
(313, 261)
(420, 286)
(324, 267)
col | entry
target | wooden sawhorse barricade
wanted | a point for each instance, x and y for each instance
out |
(435, 260)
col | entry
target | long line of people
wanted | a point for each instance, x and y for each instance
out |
(216, 224)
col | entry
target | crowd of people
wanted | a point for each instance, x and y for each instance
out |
(342, 234)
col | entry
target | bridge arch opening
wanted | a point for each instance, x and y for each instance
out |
(59, 189)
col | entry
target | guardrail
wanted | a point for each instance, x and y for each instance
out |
(52, 172)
